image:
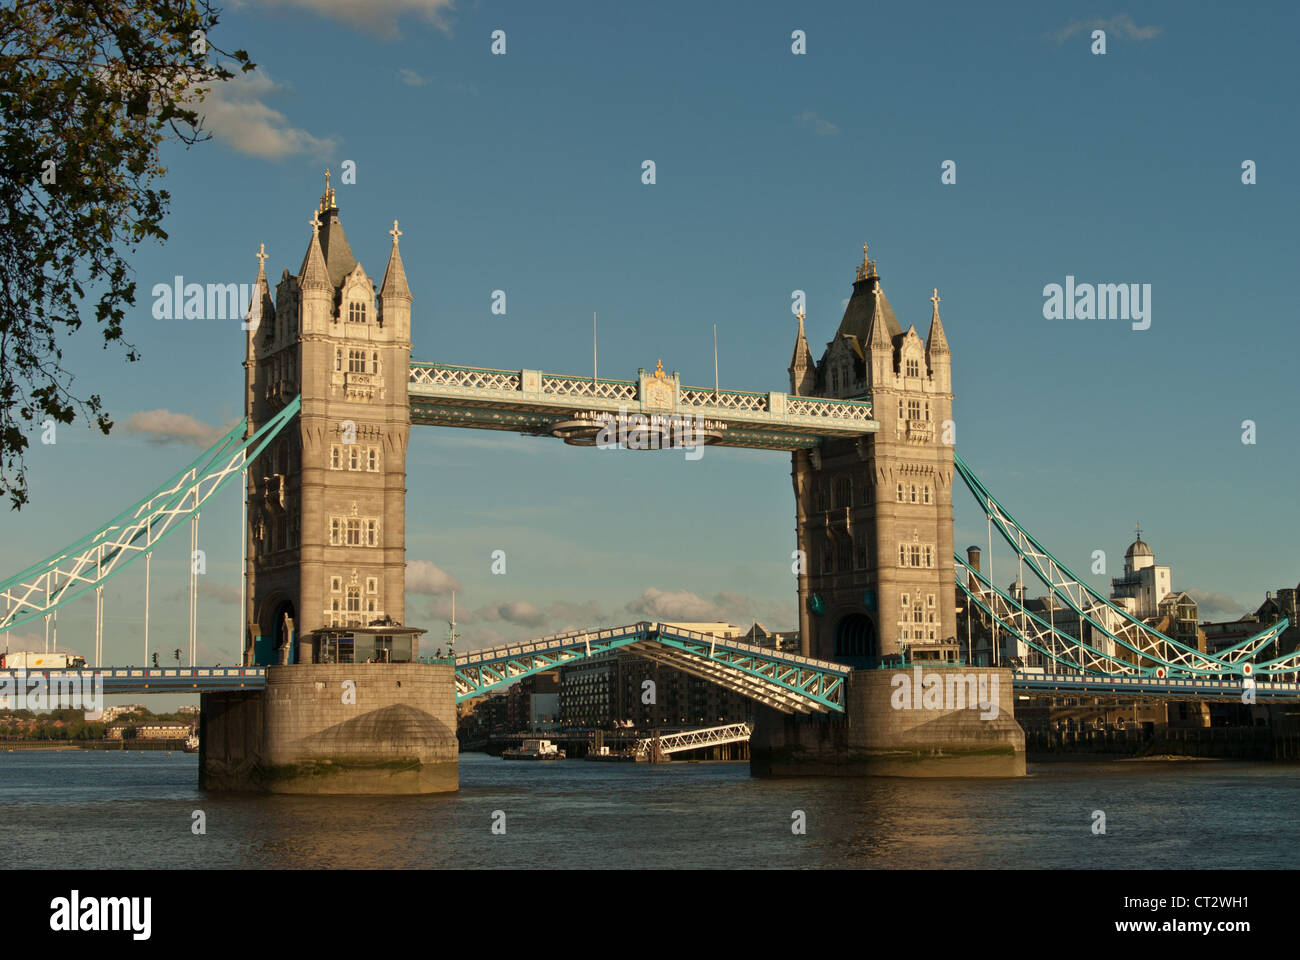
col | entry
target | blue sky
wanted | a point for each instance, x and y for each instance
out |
(522, 172)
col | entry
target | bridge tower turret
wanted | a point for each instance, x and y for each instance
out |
(327, 500)
(874, 515)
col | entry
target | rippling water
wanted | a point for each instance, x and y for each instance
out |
(91, 810)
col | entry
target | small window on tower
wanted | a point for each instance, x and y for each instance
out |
(374, 362)
(372, 586)
(912, 492)
(338, 359)
(913, 368)
(354, 457)
(356, 312)
(925, 493)
(900, 493)
(336, 457)
(372, 459)
(336, 585)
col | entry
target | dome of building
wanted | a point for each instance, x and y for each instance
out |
(1138, 548)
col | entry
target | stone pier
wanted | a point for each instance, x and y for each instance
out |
(334, 729)
(888, 729)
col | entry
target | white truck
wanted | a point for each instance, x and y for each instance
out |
(24, 660)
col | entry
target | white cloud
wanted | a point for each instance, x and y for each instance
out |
(411, 78)
(163, 426)
(673, 605)
(423, 577)
(374, 16)
(233, 111)
(1210, 604)
(519, 612)
(823, 128)
(1121, 24)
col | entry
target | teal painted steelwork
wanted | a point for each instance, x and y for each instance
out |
(483, 671)
(168, 503)
(811, 679)
(787, 681)
(1001, 518)
(1065, 638)
(963, 571)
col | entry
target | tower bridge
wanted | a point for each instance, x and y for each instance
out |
(338, 699)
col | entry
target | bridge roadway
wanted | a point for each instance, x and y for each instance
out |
(133, 680)
(173, 680)
(1031, 681)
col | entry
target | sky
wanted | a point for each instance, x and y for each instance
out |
(522, 172)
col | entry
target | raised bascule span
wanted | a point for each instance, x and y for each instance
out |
(785, 681)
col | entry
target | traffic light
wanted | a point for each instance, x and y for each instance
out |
(155, 659)
(178, 654)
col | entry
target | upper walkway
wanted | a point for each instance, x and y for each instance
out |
(575, 408)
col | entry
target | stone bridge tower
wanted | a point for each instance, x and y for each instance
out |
(327, 498)
(874, 515)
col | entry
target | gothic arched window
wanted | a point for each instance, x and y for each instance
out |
(356, 312)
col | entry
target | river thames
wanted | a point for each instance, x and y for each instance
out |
(90, 810)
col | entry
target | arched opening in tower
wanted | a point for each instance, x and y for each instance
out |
(855, 639)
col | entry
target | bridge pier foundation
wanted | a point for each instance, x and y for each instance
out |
(907, 722)
(379, 729)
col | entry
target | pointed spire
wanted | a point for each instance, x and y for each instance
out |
(327, 198)
(394, 285)
(878, 337)
(936, 344)
(801, 362)
(313, 272)
(261, 308)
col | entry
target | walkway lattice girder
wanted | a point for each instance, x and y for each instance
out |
(533, 402)
(694, 739)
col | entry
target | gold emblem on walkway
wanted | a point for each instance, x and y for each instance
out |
(657, 389)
